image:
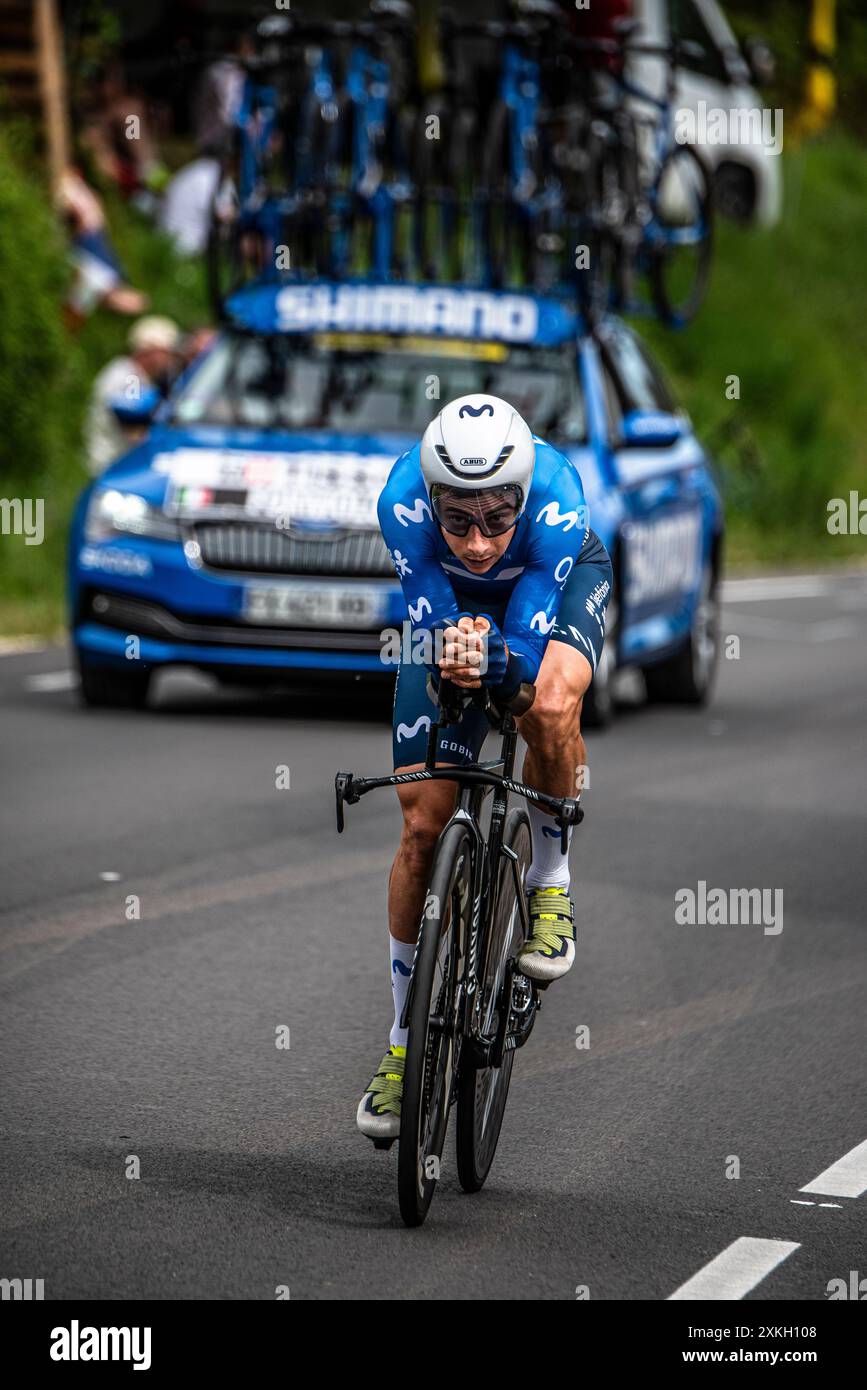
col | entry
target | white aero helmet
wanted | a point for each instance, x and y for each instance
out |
(478, 442)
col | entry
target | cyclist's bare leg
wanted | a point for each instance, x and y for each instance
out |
(552, 727)
(555, 753)
(426, 807)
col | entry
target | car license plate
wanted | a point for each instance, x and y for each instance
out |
(314, 605)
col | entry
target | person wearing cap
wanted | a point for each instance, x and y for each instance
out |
(154, 348)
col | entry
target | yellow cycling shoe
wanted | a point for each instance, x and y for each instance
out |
(378, 1113)
(551, 949)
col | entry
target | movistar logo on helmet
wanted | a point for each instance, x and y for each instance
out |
(478, 440)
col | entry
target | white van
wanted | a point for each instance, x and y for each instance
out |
(747, 175)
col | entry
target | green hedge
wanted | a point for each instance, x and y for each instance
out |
(786, 315)
(46, 372)
(42, 381)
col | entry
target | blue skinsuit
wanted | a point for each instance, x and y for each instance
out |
(552, 583)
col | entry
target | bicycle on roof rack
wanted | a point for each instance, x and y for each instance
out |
(319, 163)
(647, 205)
(530, 169)
(468, 1007)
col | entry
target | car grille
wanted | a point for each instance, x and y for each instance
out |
(251, 548)
(146, 619)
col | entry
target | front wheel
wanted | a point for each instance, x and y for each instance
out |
(105, 687)
(431, 1050)
(483, 1091)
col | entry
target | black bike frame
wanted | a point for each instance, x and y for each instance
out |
(475, 781)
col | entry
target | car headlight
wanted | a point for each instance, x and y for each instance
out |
(111, 513)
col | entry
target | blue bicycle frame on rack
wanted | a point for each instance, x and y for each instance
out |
(520, 93)
(368, 87)
(654, 232)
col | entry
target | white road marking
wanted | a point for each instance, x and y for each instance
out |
(13, 646)
(787, 630)
(777, 586)
(736, 1270)
(109, 876)
(838, 1205)
(845, 1178)
(840, 627)
(795, 1203)
(52, 680)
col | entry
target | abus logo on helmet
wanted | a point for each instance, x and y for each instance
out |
(473, 463)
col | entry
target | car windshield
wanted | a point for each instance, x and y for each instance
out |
(343, 384)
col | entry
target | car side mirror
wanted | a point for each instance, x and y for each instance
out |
(761, 61)
(651, 429)
(138, 410)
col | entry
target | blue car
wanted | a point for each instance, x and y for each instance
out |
(240, 537)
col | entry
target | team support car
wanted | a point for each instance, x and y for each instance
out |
(241, 535)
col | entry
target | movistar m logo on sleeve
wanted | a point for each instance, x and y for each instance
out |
(417, 610)
(542, 623)
(416, 513)
(552, 516)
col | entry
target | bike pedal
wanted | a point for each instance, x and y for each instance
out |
(383, 1144)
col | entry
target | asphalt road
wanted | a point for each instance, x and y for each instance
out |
(155, 1037)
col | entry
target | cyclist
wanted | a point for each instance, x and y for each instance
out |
(504, 582)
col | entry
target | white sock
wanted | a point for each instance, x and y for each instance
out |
(550, 868)
(400, 956)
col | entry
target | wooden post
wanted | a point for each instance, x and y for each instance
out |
(52, 82)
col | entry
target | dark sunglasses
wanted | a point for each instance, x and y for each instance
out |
(493, 509)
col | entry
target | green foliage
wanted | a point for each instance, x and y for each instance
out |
(786, 316)
(784, 24)
(38, 413)
(46, 373)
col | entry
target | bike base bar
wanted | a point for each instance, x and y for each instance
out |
(348, 788)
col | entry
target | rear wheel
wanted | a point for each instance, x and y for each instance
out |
(431, 1044)
(483, 1091)
(734, 192)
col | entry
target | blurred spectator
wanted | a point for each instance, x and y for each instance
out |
(185, 212)
(218, 97)
(197, 341)
(99, 278)
(117, 133)
(154, 355)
